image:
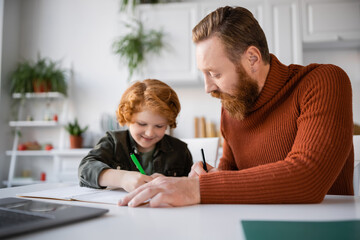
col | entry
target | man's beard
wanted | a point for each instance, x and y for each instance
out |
(244, 96)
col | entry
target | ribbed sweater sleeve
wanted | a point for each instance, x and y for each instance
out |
(294, 147)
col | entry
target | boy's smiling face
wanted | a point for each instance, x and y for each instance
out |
(147, 128)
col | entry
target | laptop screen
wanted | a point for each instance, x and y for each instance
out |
(34, 206)
(18, 216)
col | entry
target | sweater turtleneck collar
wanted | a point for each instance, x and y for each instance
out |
(275, 80)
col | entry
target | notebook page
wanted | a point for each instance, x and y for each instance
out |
(77, 193)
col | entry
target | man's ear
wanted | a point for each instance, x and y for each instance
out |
(253, 58)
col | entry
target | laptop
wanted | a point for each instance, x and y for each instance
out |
(18, 215)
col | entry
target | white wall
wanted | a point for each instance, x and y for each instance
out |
(80, 33)
(3, 108)
(9, 57)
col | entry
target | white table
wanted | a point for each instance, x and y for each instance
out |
(193, 222)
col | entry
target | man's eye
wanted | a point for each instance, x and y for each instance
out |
(159, 126)
(214, 75)
(217, 75)
(142, 124)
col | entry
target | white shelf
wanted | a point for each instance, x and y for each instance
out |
(72, 152)
(39, 95)
(19, 181)
(31, 153)
(54, 152)
(55, 155)
(34, 124)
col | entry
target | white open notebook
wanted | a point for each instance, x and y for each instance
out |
(77, 193)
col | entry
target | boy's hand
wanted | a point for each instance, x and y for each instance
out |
(131, 180)
(155, 175)
(128, 180)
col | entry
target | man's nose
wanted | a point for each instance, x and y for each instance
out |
(210, 86)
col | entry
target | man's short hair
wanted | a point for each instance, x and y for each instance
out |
(237, 28)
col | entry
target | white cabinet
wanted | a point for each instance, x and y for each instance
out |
(283, 28)
(35, 103)
(256, 7)
(176, 62)
(324, 20)
(280, 20)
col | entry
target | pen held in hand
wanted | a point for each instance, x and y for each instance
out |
(204, 162)
(137, 164)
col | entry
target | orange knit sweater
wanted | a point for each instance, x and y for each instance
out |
(296, 144)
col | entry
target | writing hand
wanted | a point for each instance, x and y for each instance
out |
(132, 180)
(197, 169)
(165, 192)
(155, 175)
(127, 180)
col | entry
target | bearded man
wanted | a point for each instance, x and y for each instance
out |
(287, 129)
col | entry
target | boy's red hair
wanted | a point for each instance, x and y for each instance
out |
(150, 94)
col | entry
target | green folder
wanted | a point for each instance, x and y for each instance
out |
(301, 230)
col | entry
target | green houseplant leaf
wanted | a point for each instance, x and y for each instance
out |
(30, 74)
(74, 129)
(136, 45)
(20, 81)
(125, 3)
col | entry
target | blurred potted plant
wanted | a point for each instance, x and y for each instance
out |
(132, 3)
(136, 45)
(21, 78)
(75, 131)
(44, 75)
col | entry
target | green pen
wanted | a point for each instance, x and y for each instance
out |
(137, 164)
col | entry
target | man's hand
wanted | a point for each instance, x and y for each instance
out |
(165, 192)
(197, 169)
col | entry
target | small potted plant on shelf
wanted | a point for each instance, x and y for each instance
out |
(75, 132)
(44, 75)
